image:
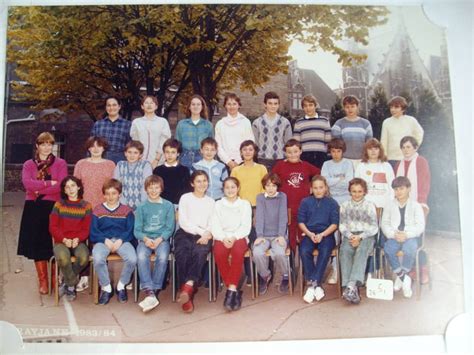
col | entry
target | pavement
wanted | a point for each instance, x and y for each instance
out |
(271, 317)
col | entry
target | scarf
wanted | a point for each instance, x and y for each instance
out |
(44, 171)
(410, 174)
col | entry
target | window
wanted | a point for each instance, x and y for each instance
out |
(59, 147)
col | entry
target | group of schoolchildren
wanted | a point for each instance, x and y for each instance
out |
(271, 189)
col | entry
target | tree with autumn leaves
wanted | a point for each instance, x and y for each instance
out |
(72, 57)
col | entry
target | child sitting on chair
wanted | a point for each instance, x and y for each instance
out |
(403, 222)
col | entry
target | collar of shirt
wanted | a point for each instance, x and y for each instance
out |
(111, 208)
(267, 196)
(195, 122)
(309, 118)
(159, 201)
(171, 165)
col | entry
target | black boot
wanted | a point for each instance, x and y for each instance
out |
(238, 301)
(229, 299)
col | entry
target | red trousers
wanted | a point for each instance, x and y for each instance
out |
(230, 268)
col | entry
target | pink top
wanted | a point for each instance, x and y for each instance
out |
(33, 185)
(93, 177)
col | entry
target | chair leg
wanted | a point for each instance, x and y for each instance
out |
(56, 285)
(252, 277)
(209, 269)
(290, 275)
(418, 278)
(91, 272)
(301, 277)
(338, 275)
(173, 279)
(95, 285)
(136, 287)
(50, 274)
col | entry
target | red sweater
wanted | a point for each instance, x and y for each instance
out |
(296, 181)
(70, 219)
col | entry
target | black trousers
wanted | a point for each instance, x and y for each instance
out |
(190, 256)
(315, 158)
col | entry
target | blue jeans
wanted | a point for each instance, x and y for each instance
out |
(311, 271)
(408, 247)
(189, 157)
(354, 260)
(149, 280)
(100, 252)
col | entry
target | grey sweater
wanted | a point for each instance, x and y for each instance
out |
(272, 216)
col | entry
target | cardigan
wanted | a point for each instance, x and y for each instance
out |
(414, 219)
(32, 185)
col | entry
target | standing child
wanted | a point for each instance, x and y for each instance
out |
(191, 131)
(271, 227)
(216, 171)
(318, 217)
(151, 130)
(358, 226)
(378, 174)
(154, 226)
(175, 176)
(95, 170)
(112, 232)
(192, 241)
(69, 224)
(271, 131)
(398, 126)
(314, 133)
(250, 173)
(354, 130)
(295, 175)
(132, 174)
(231, 223)
(231, 131)
(402, 223)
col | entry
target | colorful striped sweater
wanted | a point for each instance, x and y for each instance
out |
(314, 133)
(70, 219)
(112, 224)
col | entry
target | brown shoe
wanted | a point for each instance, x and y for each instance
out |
(188, 307)
(42, 271)
(186, 294)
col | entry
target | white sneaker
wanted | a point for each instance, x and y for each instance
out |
(129, 286)
(397, 284)
(309, 295)
(83, 284)
(406, 287)
(319, 293)
(149, 303)
(332, 279)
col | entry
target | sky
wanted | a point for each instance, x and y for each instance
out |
(426, 36)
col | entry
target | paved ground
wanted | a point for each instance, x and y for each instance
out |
(271, 317)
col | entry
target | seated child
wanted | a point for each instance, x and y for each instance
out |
(112, 232)
(271, 228)
(132, 174)
(358, 226)
(230, 226)
(154, 226)
(403, 222)
(216, 170)
(318, 217)
(192, 241)
(69, 224)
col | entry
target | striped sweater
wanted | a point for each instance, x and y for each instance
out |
(313, 133)
(112, 224)
(70, 219)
